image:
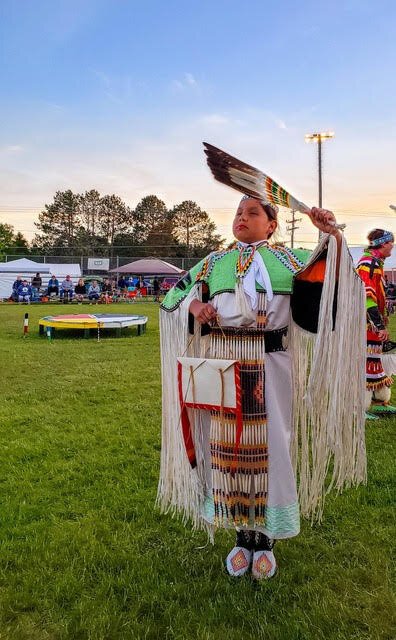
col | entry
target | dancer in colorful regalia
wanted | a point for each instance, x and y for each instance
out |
(294, 323)
(371, 270)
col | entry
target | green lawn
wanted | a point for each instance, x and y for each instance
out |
(84, 554)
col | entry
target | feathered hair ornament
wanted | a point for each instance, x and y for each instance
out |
(250, 181)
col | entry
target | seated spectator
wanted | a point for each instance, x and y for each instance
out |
(122, 284)
(36, 286)
(80, 291)
(15, 287)
(107, 287)
(107, 291)
(37, 282)
(94, 291)
(24, 292)
(66, 292)
(53, 286)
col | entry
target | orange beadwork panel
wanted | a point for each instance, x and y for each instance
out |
(314, 273)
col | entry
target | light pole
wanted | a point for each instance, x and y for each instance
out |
(318, 137)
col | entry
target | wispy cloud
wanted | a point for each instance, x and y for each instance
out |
(103, 77)
(113, 97)
(189, 78)
(280, 123)
(12, 148)
(215, 119)
(54, 107)
(188, 81)
(118, 89)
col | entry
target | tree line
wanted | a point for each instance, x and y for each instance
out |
(11, 242)
(91, 224)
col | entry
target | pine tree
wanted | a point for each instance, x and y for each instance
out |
(19, 244)
(193, 228)
(115, 217)
(59, 223)
(89, 209)
(148, 217)
(6, 237)
(10, 242)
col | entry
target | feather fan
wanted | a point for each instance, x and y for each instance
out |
(249, 180)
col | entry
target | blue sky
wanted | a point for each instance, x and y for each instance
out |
(119, 95)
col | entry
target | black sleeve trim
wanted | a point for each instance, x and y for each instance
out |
(305, 304)
(376, 318)
(184, 282)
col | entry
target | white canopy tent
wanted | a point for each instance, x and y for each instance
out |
(23, 265)
(149, 267)
(28, 269)
(63, 270)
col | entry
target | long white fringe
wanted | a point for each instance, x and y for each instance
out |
(328, 447)
(180, 488)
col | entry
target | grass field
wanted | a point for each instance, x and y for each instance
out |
(85, 555)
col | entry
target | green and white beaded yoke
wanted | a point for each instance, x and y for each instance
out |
(219, 272)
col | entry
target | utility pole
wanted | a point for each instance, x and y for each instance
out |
(293, 226)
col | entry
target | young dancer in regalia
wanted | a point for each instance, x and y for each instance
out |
(300, 352)
(371, 270)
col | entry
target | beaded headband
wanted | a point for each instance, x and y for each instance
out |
(274, 208)
(387, 237)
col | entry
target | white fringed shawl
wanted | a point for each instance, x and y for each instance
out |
(328, 447)
(181, 488)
